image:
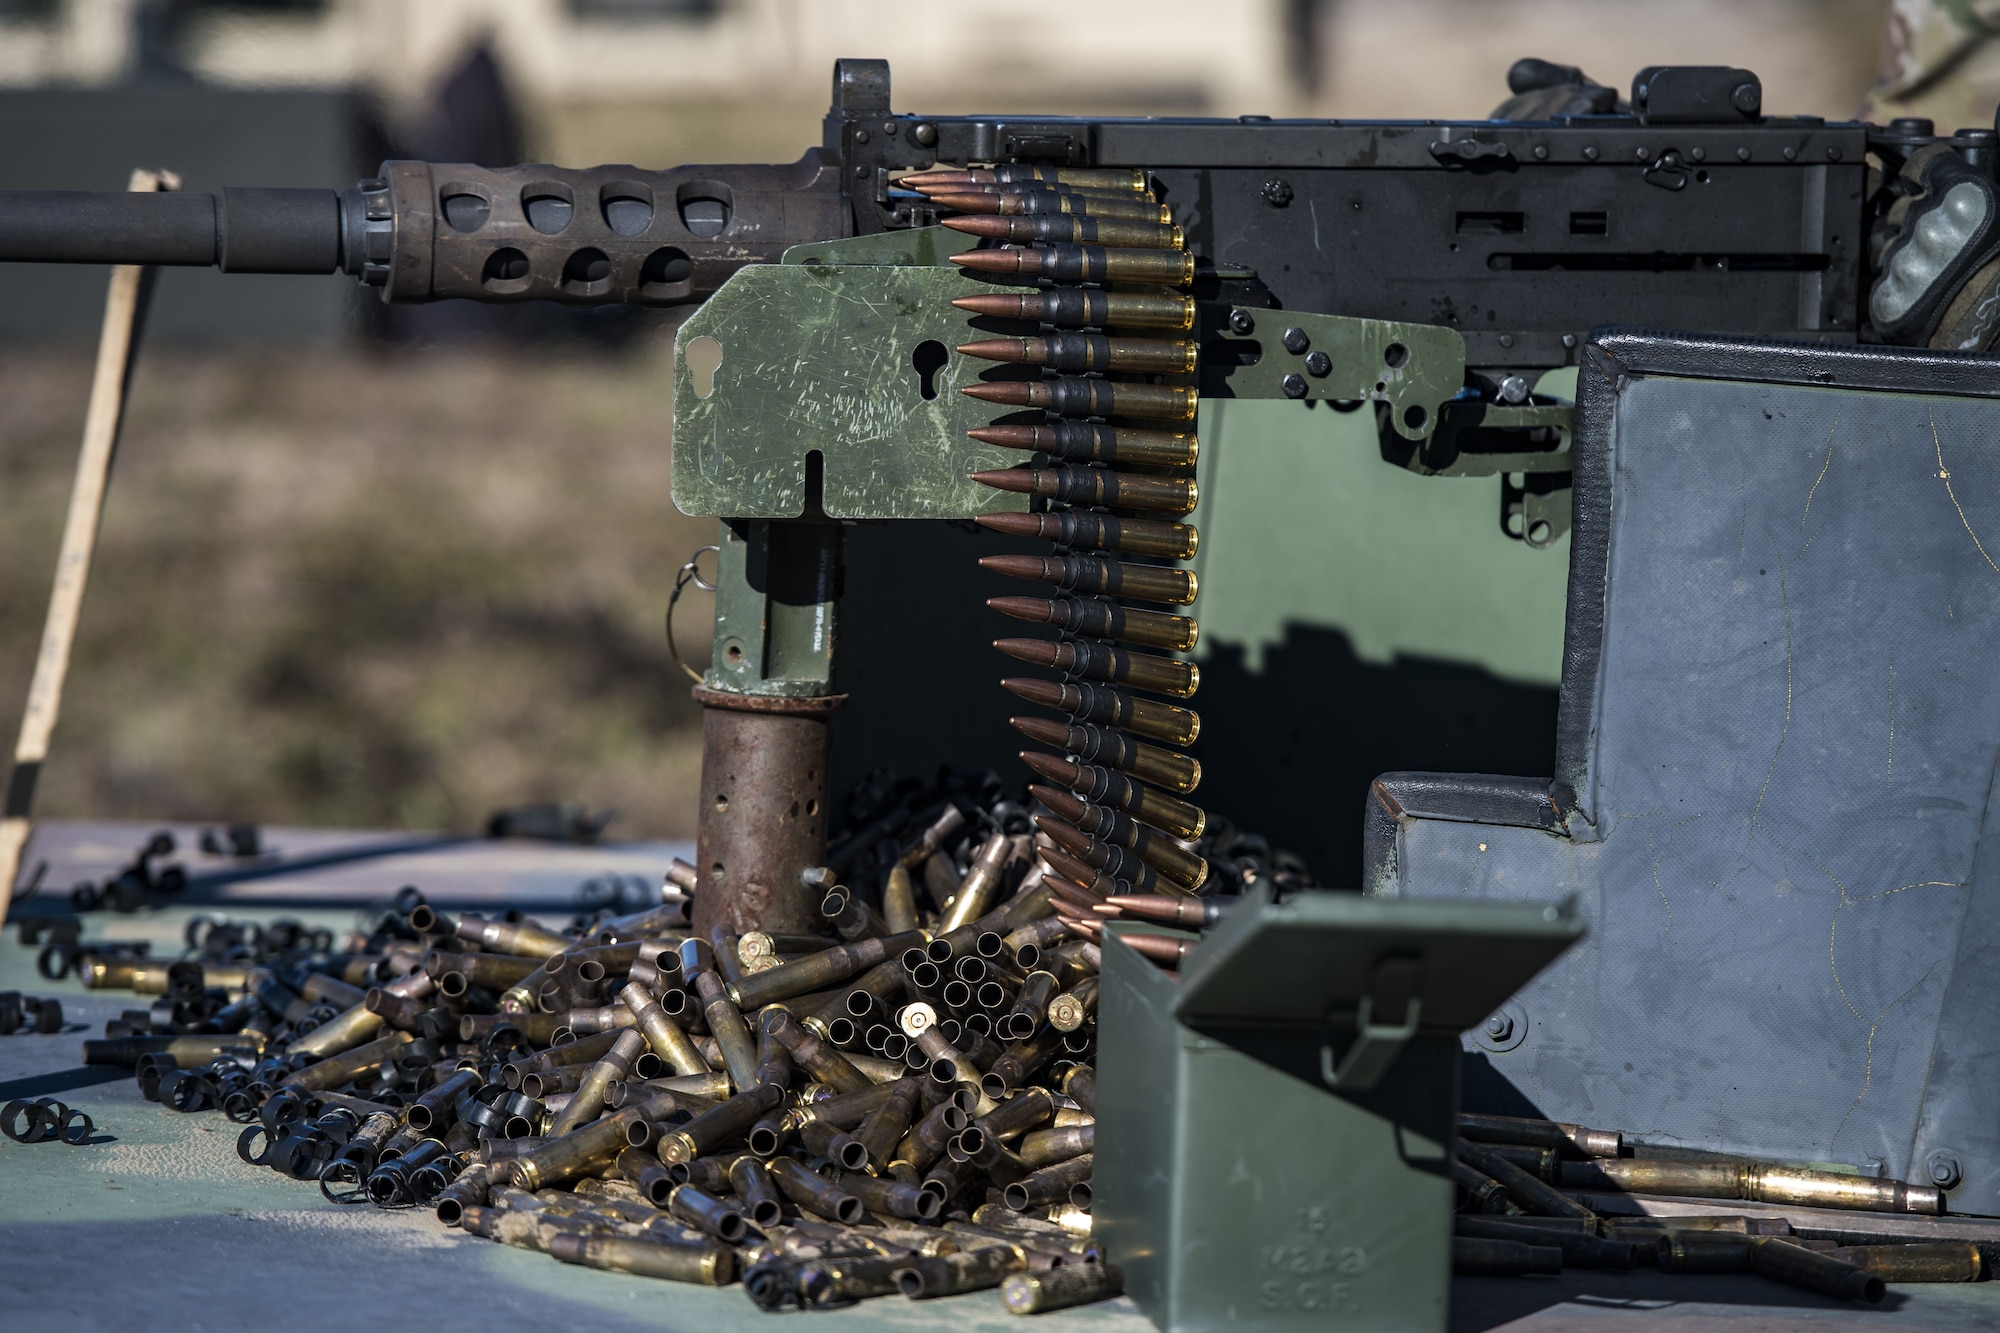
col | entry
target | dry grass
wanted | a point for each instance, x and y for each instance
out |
(393, 588)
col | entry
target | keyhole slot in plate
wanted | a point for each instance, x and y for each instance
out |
(929, 358)
(704, 358)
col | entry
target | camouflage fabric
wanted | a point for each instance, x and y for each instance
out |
(1940, 60)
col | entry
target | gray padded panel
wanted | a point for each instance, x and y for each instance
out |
(1783, 777)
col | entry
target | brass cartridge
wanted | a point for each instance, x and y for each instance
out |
(1502, 1258)
(818, 1058)
(1090, 442)
(647, 1174)
(523, 937)
(1537, 1196)
(1048, 1146)
(718, 1124)
(1117, 829)
(980, 882)
(899, 900)
(1783, 1260)
(1092, 744)
(1049, 1184)
(704, 1211)
(708, 1265)
(1571, 1140)
(1028, 203)
(891, 1198)
(885, 1126)
(1090, 353)
(588, 1099)
(812, 1192)
(1124, 180)
(349, 1064)
(588, 1149)
(973, 1269)
(753, 1187)
(1076, 396)
(355, 1025)
(1082, 308)
(1104, 532)
(1923, 1261)
(1107, 487)
(1083, 263)
(1098, 578)
(667, 1038)
(820, 970)
(1061, 1288)
(1580, 1249)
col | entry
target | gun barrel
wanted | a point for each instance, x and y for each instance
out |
(238, 230)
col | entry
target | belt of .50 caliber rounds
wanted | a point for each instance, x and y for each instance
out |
(1113, 468)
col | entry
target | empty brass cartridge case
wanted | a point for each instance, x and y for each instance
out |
(973, 1269)
(1502, 1258)
(718, 1124)
(1092, 744)
(1924, 1261)
(588, 1099)
(819, 970)
(705, 1212)
(899, 901)
(1086, 574)
(1103, 661)
(885, 1126)
(891, 1198)
(758, 1196)
(818, 1058)
(1536, 1196)
(1580, 1249)
(667, 1038)
(588, 1149)
(1061, 1288)
(1074, 396)
(1732, 1178)
(1050, 1184)
(1069, 1011)
(1049, 1146)
(647, 1174)
(522, 937)
(807, 1190)
(1104, 532)
(1571, 1140)
(980, 882)
(1779, 1258)
(708, 1265)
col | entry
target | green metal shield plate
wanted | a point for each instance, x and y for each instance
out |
(823, 358)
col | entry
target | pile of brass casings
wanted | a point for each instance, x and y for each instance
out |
(1519, 1213)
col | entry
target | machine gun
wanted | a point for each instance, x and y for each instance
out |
(1429, 272)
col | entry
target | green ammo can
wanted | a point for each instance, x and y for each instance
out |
(1278, 1122)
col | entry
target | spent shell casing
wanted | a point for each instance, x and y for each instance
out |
(1537, 1196)
(1784, 1260)
(978, 886)
(1100, 486)
(1103, 532)
(1051, 1184)
(899, 901)
(1090, 352)
(1111, 789)
(758, 1196)
(1093, 744)
(707, 1265)
(586, 1150)
(886, 1124)
(1070, 229)
(1579, 1249)
(1571, 1140)
(819, 1058)
(813, 1192)
(1131, 180)
(647, 1174)
(976, 1269)
(705, 1212)
(1473, 1257)
(588, 1099)
(1483, 1194)
(1103, 619)
(891, 1198)
(667, 1038)
(1922, 1261)
(1538, 1162)
(1060, 1288)
(1085, 308)
(1735, 1178)
(1069, 1011)
(1028, 203)
(732, 1033)
(1075, 396)
(1047, 1146)
(1109, 707)
(517, 937)
(1089, 442)
(716, 1125)
(1118, 829)
(818, 971)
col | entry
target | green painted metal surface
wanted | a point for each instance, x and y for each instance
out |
(820, 358)
(1413, 368)
(915, 245)
(1236, 1186)
(777, 608)
(1304, 526)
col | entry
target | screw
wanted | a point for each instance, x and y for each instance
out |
(1942, 1168)
(889, 127)
(1590, 153)
(1791, 154)
(861, 136)
(1499, 1027)
(1241, 322)
(1743, 155)
(1319, 365)
(1277, 192)
(1296, 341)
(1293, 385)
(1541, 151)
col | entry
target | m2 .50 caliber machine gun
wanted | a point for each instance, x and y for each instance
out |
(919, 299)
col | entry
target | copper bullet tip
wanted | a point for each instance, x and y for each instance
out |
(960, 199)
(999, 261)
(1035, 652)
(1014, 525)
(1020, 480)
(1035, 609)
(1040, 729)
(1052, 767)
(980, 224)
(997, 349)
(1007, 437)
(1000, 305)
(1013, 566)
(1065, 805)
(1035, 690)
(1007, 393)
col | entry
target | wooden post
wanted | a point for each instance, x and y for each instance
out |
(115, 348)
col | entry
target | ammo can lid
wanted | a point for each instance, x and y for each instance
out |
(1313, 956)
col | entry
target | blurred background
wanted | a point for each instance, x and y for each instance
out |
(398, 567)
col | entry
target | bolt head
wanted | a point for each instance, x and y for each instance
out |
(1296, 341)
(925, 134)
(1319, 365)
(1241, 321)
(1293, 385)
(1499, 1027)
(1942, 1168)
(1277, 192)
